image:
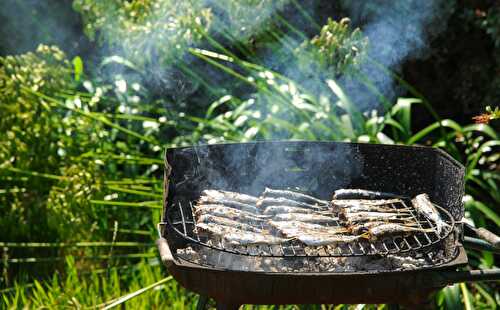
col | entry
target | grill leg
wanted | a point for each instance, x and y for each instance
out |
(202, 303)
(222, 306)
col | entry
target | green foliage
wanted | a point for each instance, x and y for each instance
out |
(146, 31)
(336, 48)
(489, 21)
(69, 203)
(25, 122)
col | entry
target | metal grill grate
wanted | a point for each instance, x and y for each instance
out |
(181, 222)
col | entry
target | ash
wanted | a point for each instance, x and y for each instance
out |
(205, 256)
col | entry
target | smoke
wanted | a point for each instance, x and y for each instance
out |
(397, 31)
(313, 168)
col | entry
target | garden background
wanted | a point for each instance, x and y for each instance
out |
(92, 92)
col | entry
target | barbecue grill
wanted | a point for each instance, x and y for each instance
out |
(294, 273)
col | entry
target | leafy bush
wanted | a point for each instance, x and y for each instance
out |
(335, 49)
(25, 123)
(146, 32)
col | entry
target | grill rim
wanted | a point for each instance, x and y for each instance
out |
(375, 145)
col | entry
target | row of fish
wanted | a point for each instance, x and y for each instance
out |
(278, 216)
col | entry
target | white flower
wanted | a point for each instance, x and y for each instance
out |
(136, 86)
(121, 85)
(77, 102)
(150, 125)
(88, 86)
(240, 120)
(135, 99)
(251, 132)
(111, 197)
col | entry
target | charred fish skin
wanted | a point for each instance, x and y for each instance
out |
(306, 218)
(265, 202)
(363, 227)
(366, 226)
(239, 237)
(392, 228)
(232, 213)
(374, 216)
(215, 220)
(276, 193)
(220, 194)
(372, 202)
(424, 206)
(362, 194)
(273, 210)
(370, 208)
(305, 228)
(338, 204)
(229, 203)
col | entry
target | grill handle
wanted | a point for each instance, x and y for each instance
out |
(450, 277)
(165, 254)
(488, 241)
(480, 245)
(487, 235)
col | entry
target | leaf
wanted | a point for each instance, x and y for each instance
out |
(466, 295)
(427, 130)
(452, 298)
(119, 60)
(357, 117)
(402, 112)
(485, 210)
(78, 67)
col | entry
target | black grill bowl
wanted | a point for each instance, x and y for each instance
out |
(317, 168)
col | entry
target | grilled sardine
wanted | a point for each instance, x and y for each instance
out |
(362, 194)
(216, 220)
(424, 206)
(230, 196)
(272, 210)
(274, 193)
(393, 228)
(306, 218)
(229, 203)
(265, 202)
(239, 237)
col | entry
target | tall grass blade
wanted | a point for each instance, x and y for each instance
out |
(127, 297)
(144, 204)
